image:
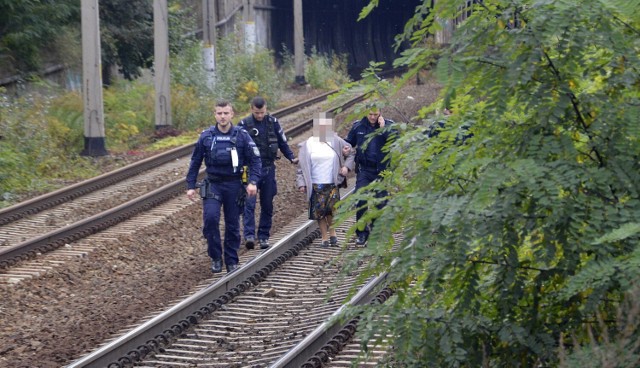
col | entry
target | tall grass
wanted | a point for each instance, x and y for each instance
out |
(326, 71)
(42, 133)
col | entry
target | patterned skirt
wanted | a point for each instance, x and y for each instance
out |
(323, 200)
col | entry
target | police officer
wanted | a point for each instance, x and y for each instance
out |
(225, 150)
(370, 159)
(266, 132)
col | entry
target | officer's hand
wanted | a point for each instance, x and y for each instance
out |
(252, 190)
(344, 171)
(295, 161)
(346, 150)
(381, 121)
(191, 193)
(302, 189)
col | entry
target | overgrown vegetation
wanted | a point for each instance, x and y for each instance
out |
(326, 71)
(29, 28)
(43, 132)
(519, 243)
(40, 138)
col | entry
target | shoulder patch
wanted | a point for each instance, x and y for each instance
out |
(256, 151)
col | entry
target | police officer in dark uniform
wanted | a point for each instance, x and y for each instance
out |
(266, 132)
(370, 159)
(225, 150)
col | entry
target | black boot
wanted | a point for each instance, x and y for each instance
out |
(216, 266)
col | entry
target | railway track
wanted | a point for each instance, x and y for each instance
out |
(92, 231)
(41, 203)
(276, 310)
(58, 220)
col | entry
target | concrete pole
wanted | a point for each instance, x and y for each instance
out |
(298, 42)
(94, 140)
(249, 20)
(161, 63)
(209, 41)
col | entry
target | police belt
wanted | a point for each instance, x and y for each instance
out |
(221, 178)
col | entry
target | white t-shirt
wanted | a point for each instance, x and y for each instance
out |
(322, 160)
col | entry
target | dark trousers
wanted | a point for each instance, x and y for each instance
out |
(364, 178)
(227, 192)
(267, 189)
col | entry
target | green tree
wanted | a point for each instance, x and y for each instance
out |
(525, 234)
(28, 27)
(32, 31)
(127, 37)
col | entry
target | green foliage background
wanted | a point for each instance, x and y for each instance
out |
(41, 132)
(29, 27)
(519, 244)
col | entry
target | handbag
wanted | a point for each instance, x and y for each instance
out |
(344, 183)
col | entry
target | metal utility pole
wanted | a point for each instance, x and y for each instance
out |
(161, 63)
(209, 40)
(298, 42)
(249, 18)
(94, 141)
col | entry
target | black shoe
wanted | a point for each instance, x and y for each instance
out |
(264, 243)
(232, 267)
(333, 241)
(250, 243)
(216, 266)
(325, 244)
(361, 241)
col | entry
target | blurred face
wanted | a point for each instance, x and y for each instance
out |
(373, 116)
(224, 114)
(323, 128)
(257, 113)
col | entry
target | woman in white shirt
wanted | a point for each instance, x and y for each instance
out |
(322, 169)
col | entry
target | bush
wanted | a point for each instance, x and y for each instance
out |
(40, 139)
(42, 136)
(326, 71)
(240, 76)
(129, 108)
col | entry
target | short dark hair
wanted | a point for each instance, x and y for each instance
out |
(258, 102)
(223, 103)
(372, 106)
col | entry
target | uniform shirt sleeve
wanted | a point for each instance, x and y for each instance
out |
(251, 157)
(194, 166)
(351, 136)
(282, 141)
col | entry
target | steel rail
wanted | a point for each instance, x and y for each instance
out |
(80, 229)
(323, 341)
(136, 344)
(314, 350)
(142, 340)
(51, 199)
(160, 331)
(91, 225)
